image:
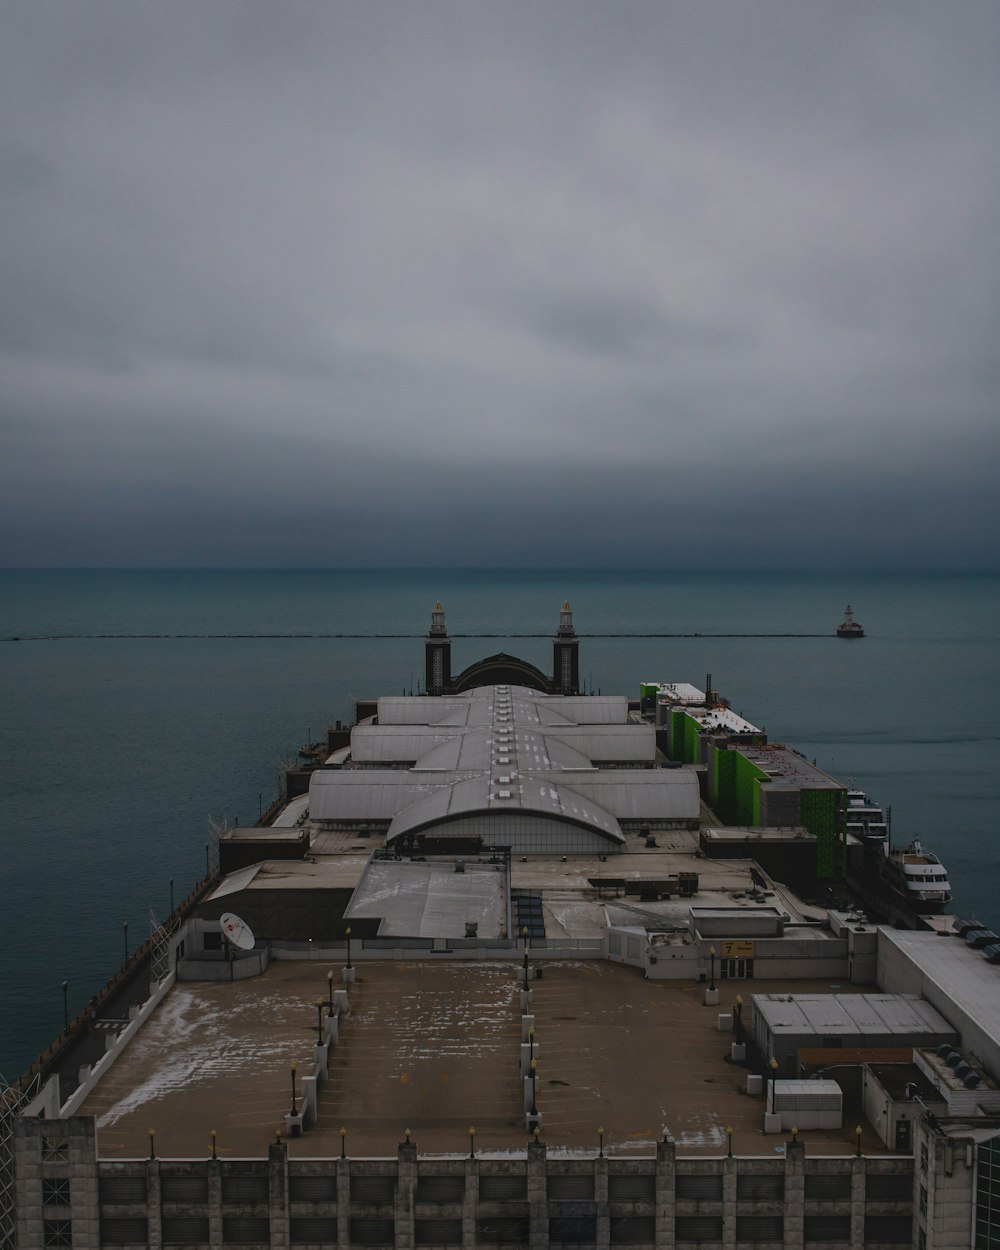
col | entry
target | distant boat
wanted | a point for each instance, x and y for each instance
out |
(866, 819)
(909, 875)
(849, 628)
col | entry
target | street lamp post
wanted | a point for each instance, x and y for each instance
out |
(600, 1143)
(472, 1143)
(711, 975)
(343, 1143)
(294, 1068)
(738, 1018)
(524, 934)
(347, 934)
(319, 1021)
(534, 1081)
(774, 1077)
(857, 1133)
(329, 991)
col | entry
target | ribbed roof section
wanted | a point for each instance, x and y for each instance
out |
(504, 749)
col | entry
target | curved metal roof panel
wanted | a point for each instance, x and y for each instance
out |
(486, 796)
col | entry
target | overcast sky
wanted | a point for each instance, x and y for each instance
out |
(687, 283)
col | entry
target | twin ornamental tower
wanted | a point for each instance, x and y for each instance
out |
(502, 669)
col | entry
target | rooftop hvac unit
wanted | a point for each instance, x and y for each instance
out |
(962, 1071)
(972, 1080)
(953, 1060)
(944, 1049)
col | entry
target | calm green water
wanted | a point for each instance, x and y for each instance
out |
(115, 751)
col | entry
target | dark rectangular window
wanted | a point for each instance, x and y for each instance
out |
(760, 1187)
(698, 1228)
(704, 1188)
(760, 1228)
(306, 1229)
(440, 1188)
(630, 1188)
(563, 1188)
(633, 1230)
(828, 1185)
(372, 1232)
(246, 1188)
(572, 1228)
(122, 1189)
(57, 1233)
(55, 1149)
(182, 1230)
(502, 1231)
(312, 1188)
(124, 1230)
(437, 1232)
(896, 1229)
(889, 1187)
(184, 1188)
(55, 1191)
(503, 1188)
(372, 1189)
(827, 1228)
(246, 1230)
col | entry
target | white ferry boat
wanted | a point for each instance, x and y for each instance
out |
(918, 878)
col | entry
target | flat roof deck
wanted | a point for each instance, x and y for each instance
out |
(434, 1048)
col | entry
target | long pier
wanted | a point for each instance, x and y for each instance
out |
(303, 637)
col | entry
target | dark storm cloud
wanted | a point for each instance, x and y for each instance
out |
(496, 283)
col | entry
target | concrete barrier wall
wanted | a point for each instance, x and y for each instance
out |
(451, 949)
(89, 1076)
(249, 964)
(46, 1101)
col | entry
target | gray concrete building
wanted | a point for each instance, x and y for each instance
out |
(499, 997)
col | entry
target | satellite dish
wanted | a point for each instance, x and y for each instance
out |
(237, 931)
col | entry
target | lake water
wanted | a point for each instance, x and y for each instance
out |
(137, 705)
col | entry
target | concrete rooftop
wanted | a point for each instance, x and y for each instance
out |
(434, 1048)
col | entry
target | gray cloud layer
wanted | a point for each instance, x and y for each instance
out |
(497, 283)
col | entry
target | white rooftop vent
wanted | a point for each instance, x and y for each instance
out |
(504, 781)
(503, 794)
(503, 759)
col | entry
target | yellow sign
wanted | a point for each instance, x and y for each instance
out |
(737, 950)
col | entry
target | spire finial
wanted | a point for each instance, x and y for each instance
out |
(438, 629)
(566, 621)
